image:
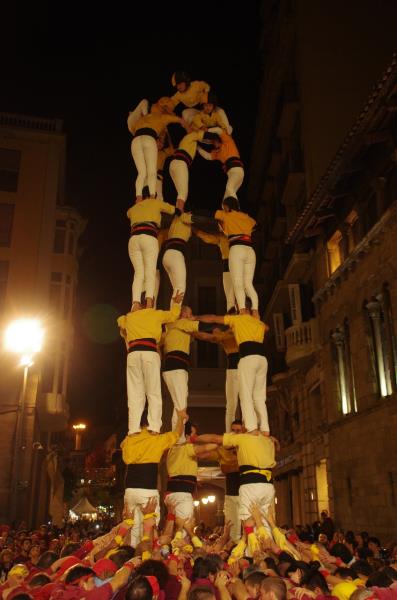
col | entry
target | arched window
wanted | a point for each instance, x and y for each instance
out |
(340, 338)
(335, 252)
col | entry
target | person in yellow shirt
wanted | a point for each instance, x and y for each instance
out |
(176, 350)
(141, 329)
(180, 164)
(143, 247)
(238, 227)
(191, 96)
(220, 240)
(182, 468)
(256, 459)
(210, 117)
(179, 233)
(226, 152)
(227, 341)
(142, 453)
(146, 131)
(249, 332)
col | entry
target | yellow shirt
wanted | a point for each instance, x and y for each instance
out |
(203, 119)
(196, 93)
(217, 239)
(189, 142)
(149, 210)
(235, 222)
(227, 340)
(144, 447)
(155, 121)
(182, 460)
(255, 450)
(181, 227)
(227, 150)
(146, 323)
(344, 590)
(227, 458)
(177, 335)
(246, 328)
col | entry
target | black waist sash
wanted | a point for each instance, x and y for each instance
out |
(239, 240)
(143, 475)
(146, 131)
(249, 348)
(232, 483)
(147, 228)
(176, 360)
(146, 344)
(182, 483)
(252, 474)
(233, 161)
(175, 244)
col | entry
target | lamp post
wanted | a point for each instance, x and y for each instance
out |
(23, 337)
(79, 428)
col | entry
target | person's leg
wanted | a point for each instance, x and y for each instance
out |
(235, 177)
(150, 248)
(259, 394)
(265, 499)
(174, 264)
(246, 378)
(188, 114)
(136, 257)
(156, 287)
(179, 173)
(151, 374)
(159, 188)
(140, 498)
(249, 271)
(140, 163)
(228, 289)
(221, 112)
(150, 152)
(177, 384)
(135, 391)
(231, 391)
(230, 510)
(236, 267)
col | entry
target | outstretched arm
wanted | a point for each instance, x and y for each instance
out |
(210, 438)
(211, 319)
(205, 337)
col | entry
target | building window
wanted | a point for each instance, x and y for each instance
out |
(4, 268)
(60, 237)
(335, 251)
(207, 354)
(382, 341)
(56, 292)
(9, 169)
(344, 368)
(6, 222)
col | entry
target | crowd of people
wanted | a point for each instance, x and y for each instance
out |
(181, 561)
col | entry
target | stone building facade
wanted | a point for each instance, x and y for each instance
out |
(39, 236)
(323, 184)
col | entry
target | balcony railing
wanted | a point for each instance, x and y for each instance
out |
(301, 343)
(28, 122)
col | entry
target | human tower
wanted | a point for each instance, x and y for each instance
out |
(246, 451)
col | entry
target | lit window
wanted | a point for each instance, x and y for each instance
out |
(353, 234)
(344, 368)
(334, 249)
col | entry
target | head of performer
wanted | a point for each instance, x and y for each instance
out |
(237, 426)
(211, 104)
(165, 105)
(230, 203)
(181, 80)
(186, 312)
(190, 431)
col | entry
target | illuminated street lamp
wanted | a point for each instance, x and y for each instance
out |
(211, 498)
(79, 428)
(204, 500)
(196, 503)
(24, 337)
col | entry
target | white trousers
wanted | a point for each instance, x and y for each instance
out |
(231, 392)
(242, 261)
(144, 152)
(134, 498)
(235, 177)
(183, 502)
(258, 493)
(231, 512)
(189, 113)
(140, 111)
(143, 381)
(174, 264)
(177, 384)
(156, 287)
(229, 290)
(143, 250)
(179, 172)
(252, 371)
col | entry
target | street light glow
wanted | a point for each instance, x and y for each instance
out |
(196, 502)
(204, 500)
(79, 426)
(211, 498)
(25, 337)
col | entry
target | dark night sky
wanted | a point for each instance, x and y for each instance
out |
(89, 65)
